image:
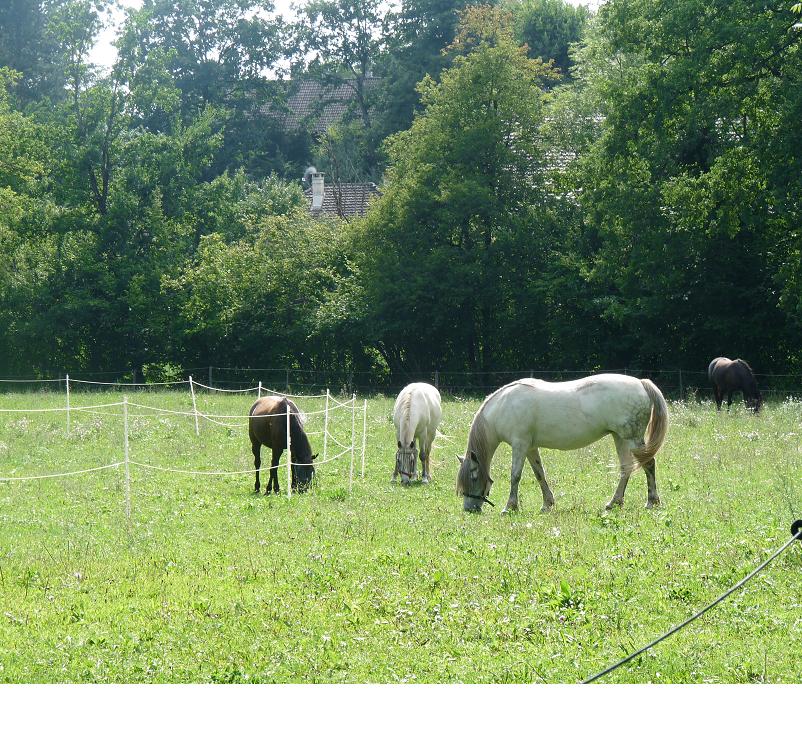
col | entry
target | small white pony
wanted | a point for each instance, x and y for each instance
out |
(529, 414)
(416, 416)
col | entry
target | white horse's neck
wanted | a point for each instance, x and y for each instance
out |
(407, 429)
(482, 438)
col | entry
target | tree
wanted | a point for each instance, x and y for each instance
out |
(447, 250)
(685, 183)
(548, 28)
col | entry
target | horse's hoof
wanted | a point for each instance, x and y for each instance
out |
(424, 480)
(610, 506)
(544, 509)
(510, 510)
(652, 503)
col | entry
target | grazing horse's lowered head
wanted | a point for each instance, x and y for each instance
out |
(730, 376)
(406, 462)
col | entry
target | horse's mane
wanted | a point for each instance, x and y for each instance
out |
(405, 408)
(478, 444)
(744, 363)
(298, 438)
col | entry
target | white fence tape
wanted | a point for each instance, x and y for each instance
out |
(61, 475)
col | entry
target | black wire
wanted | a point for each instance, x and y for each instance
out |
(718, 600)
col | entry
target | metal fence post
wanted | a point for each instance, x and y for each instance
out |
(353, 427)
(364, 434)
(259, 390)
(194, 406)
(289, 454)
(326, 428)
(67, 381)
(127, 466)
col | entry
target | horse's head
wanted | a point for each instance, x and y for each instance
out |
(473, 483)
(303, 472)
(755, 401)
(406, 462)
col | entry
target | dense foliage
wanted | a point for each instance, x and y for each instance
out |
(559, 189)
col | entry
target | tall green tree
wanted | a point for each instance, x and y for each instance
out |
(448, 249)
(548, 28)
(687, 166)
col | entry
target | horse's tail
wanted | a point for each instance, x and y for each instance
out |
(658, 425)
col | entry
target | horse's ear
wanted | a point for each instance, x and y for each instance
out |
(399, 444)
(314, 457)
(460, 460)
(412, 444)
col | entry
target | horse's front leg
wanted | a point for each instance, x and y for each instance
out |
(719, 397)
(518, 457)
(540, 474)
(425, 450)
(257, 462)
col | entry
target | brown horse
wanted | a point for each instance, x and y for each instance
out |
(729, 376)
(267, 426)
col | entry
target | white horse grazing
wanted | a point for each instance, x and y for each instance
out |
(529, 414)
(416, 416)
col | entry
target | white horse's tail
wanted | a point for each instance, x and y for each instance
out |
(658, 425)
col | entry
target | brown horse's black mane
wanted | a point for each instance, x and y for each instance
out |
(299, 442)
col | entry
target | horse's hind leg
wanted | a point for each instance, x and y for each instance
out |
(626, 461)
(257, 462)
(719, 396)
(651, 484)
(537, 467)
(274, 461)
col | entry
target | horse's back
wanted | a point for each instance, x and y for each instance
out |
(419, 405)
(718, 366)
(266, 419)
(572, 414)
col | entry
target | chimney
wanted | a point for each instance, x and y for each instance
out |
(317, 192)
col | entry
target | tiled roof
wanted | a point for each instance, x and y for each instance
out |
(344, 200)
(318, 104)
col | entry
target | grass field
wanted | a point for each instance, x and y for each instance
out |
(209, 583)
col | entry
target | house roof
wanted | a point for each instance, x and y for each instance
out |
(321, 105)
(344, 200)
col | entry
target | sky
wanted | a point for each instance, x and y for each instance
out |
(104, 53)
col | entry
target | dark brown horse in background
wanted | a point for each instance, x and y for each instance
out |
(729, 376)
(267, 426)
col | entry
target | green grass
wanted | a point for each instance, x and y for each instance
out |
(209, 583)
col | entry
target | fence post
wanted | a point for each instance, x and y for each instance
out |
(681, 390)
(437, 379)
(364, 435)
(259, 390)
(127, 466)
(353, 426)
(326, 428)
(289, 454)
(67, 381)
(287, 380)
(194, 406)
(210, 377)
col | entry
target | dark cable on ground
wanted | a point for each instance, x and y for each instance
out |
(796, 533)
